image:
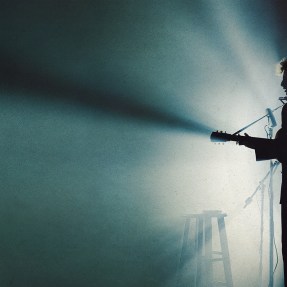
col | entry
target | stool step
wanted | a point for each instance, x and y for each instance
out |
(217, 252)
(217, 259)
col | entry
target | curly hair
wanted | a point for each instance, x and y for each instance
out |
(282, 66)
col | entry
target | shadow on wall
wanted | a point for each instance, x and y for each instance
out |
(17, 76)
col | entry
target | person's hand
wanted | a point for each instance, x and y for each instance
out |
(244, 140)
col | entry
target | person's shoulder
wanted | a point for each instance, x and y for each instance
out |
(281, 134)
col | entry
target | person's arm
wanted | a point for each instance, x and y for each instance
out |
(265, 149)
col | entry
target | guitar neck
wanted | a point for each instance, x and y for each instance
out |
(224, 137)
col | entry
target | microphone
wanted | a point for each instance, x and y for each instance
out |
(271, 118)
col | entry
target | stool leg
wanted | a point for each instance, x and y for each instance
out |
(208, 251)
(185, 250)
(185, 243)
(199, 251)
(225, 251)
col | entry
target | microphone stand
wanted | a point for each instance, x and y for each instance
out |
(271, 215)
(261, 187)
(267, 115)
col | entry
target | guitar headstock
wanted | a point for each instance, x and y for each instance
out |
(220, 137)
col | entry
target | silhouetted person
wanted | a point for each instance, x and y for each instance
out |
(277, 149)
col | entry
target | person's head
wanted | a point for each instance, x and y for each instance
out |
(283, 69)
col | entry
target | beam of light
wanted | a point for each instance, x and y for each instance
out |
(16, 76)
(225, 180)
